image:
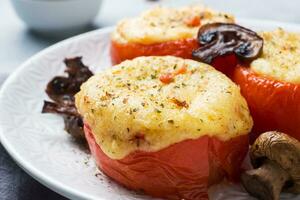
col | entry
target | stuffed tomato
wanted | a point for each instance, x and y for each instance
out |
(162, 31)
(167, 126)
(271, 84)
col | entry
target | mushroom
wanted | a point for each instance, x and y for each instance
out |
(61, 90)
(275, 157)
(218, 39)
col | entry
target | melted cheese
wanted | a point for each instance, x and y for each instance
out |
(166, 24)
(281, 56)
(128, 107)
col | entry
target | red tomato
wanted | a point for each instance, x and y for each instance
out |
(274, 105)
(166, 78)
(181, 70)
(180, 48)
(183, 170)
(225, 64)
(193, 21)
(169, 77)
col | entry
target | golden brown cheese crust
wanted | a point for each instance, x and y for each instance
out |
(281, 56)
(166, 24)
(129, 108)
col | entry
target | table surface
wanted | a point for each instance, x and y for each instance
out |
(18, 43)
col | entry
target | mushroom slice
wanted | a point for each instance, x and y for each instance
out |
(61, 89)
(218, 39)
(276, 159)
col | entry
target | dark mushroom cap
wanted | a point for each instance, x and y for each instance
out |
(218, 39)
(282, 149)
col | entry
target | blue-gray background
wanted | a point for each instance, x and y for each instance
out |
(17, 43)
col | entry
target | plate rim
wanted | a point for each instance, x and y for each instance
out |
(45, 179)
(41, 177)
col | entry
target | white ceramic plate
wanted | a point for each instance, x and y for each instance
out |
(38, 142)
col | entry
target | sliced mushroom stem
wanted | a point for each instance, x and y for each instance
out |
(265, 182)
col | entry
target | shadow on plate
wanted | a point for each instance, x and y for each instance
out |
(55, 36)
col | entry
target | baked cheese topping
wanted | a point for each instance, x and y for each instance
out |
(167, 24)
(132, 107)
(281, 56)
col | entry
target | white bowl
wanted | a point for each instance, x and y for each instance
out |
(56, 15)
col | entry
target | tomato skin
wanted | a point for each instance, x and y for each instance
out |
(183, 170)
(180, 48)
(274, 105)
(225, 64)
